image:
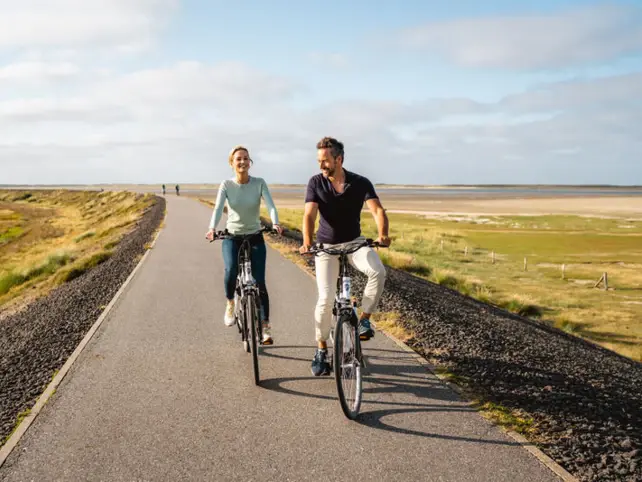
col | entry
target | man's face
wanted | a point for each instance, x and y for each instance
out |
(327, 163)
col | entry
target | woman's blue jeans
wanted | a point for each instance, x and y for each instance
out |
(258, 256)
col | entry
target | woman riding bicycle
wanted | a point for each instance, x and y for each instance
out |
(243, 194)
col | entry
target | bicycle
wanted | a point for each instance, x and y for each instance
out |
(247, 304)
(347, 357)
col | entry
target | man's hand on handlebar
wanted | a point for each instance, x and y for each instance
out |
(383, 241)
(304, 249)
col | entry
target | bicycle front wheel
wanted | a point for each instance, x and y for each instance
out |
(242, 324)
(252, 314)
(347, 367)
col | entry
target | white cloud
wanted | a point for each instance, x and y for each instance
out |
(126, 25)
(178, 122)
(599, 93)
(174, 93)
(74, 109)
(230, 83)
(558, 40)
(37, 72)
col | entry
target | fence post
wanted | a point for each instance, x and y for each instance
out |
(442, 245)
(493, 257)
(563, 271)
(466, 251)
(525, 264)
(604, 278)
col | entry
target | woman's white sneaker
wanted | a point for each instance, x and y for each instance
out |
(229, 314)
(267, 335)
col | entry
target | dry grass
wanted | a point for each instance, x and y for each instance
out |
(62, 235)
(290, 251)
(390, 323)
(208, 202)
(514, 420)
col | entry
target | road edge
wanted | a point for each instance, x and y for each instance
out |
(23, 426)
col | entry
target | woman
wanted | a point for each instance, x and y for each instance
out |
(243, 194)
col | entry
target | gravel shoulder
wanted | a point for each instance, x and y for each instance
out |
(585, 401)
(36, 341)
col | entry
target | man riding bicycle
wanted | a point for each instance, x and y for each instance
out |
(338, 196)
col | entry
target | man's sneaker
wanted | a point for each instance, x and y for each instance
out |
(320, 365)
(365, 330)
(267, 334)
(229, 314)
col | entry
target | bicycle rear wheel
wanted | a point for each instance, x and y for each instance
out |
(347, 366)
(252, 314)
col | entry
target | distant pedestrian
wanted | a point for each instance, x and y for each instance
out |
(163, 189)
(178, 190)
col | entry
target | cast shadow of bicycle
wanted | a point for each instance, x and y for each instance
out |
(389, 373)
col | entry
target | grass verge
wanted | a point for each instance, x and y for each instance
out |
(50, 237)
(21, 416)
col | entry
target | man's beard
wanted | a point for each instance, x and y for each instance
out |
(329, 173)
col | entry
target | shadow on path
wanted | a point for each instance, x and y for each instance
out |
(387, 376)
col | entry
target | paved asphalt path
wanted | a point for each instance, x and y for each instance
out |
(165, 392)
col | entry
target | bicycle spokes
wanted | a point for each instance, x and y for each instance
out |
(347, 368)
(349, 361)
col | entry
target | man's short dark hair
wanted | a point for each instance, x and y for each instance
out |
(336, 147)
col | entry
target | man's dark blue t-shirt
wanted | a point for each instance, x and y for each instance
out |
(340, 212)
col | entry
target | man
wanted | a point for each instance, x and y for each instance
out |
(338, 196)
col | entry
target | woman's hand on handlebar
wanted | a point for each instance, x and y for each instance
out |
(210, 235)
(278, 228)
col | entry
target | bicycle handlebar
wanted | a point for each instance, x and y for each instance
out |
(225, 234)
(348, 248)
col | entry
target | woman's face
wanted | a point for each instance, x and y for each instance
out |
(241, 161)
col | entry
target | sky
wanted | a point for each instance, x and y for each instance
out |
(420, 92)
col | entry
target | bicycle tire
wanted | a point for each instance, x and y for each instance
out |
(237, 314)
(253, 315)
(350, 398)
(243, 325)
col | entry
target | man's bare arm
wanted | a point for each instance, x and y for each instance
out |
(381, 218)
(309, 219)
